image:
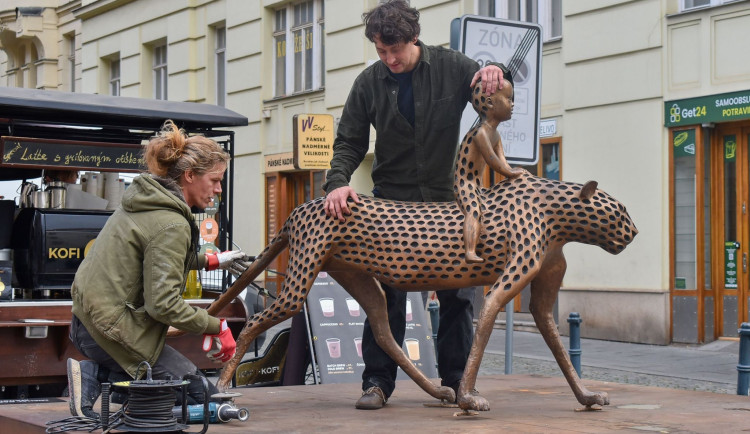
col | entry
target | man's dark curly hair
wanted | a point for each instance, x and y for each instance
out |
(393, 22)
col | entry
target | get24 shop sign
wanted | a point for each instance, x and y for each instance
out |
(724, 107)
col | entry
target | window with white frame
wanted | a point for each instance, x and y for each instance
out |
(70, 41)
(298, 38)
(160, 71)
(688, 5)
(221, 65)
(547, 13)
(114, 77)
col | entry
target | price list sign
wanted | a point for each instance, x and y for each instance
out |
(336, 322)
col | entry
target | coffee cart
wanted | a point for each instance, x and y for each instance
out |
(42, 241)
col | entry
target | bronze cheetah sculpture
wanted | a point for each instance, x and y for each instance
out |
(418, 246)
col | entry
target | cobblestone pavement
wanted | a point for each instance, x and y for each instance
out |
(493, 364)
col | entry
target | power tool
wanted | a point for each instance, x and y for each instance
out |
(220, 412)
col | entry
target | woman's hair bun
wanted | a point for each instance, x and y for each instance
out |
(171, 152)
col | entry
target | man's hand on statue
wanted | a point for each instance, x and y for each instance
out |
(492, 79)
(336, 203)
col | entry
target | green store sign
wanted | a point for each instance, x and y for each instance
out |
(724, 107)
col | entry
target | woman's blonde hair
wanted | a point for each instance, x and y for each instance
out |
(171, 153)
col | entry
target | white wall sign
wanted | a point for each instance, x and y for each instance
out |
(517, 45)
(547, 127)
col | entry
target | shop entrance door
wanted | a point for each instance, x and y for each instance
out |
(732, 217)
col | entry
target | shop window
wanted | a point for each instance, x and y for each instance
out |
(298, 38)
(549, 162)
(684, 219)
(691, 208)
(547, 13)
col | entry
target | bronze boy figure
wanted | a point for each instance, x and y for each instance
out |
(482, 145)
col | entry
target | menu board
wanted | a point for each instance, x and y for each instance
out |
(32, 152)
(336, 322)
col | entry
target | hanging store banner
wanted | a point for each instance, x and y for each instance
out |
(724, 107)
(45, 153)
(313, 141)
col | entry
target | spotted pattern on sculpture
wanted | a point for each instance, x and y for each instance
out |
(481, 147)
(417, 246)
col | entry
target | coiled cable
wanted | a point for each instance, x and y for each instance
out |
(150, 408)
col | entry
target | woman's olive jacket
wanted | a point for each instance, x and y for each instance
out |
(127, 291)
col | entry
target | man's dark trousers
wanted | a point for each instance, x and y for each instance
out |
(455, 335)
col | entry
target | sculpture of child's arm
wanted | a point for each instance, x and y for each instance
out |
(494, 156)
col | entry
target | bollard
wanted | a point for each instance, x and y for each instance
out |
(509, 338)
(743, 368)
(435, 321)
(574, 319)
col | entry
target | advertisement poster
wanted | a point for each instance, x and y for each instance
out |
(336, 322)
(730, 264)
(684, 143)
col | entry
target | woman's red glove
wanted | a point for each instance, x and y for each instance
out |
(220, 347)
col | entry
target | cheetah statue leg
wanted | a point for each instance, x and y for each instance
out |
(371, 298)
(508, 285)
(544, 289)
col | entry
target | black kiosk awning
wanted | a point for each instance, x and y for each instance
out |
(114, 111)
(98, 120)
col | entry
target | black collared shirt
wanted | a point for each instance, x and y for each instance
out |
(412, 163)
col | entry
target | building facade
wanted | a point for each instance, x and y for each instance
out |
(651, 97)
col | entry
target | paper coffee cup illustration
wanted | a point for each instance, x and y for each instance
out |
(334, 347)
(358, 345)
(326, 305)
(408, 310)
(412, 348)
(353, 306)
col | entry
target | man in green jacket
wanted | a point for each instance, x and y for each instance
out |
(413, 97)
(128, 290)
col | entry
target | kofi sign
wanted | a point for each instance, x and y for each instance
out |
(518, 46)
(313, 141)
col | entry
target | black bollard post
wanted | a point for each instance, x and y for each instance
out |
(434, 310)
(743, 367)
(574, 319)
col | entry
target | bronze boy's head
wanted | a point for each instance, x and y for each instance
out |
(499, 105)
